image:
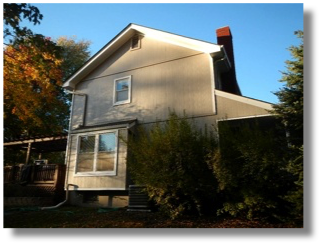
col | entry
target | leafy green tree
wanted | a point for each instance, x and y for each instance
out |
(290, 111)
(296, 194)
(170, 160)
(249, 167)
(291, 96)
(13, 13)
(74, 53)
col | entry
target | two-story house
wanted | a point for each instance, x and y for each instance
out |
(136, 79)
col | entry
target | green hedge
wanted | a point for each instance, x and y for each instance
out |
(170, 159)
(250, 165)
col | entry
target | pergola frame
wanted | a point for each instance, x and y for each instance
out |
(39, 145)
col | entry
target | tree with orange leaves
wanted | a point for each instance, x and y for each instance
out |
(34, 68)
(34, 102)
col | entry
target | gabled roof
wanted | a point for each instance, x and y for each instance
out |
(213, 49)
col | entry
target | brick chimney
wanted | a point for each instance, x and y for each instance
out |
(225, 38)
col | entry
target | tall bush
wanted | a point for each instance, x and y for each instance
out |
(250, 168)
(170, 160)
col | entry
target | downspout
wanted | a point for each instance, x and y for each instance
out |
(71, 115)
(214, 60)
(84, 109)
(68, 149)
(223, 57)
(61, 203)
(69, 132)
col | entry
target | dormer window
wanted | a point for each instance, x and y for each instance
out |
(135, 42)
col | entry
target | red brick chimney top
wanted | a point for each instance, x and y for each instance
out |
(225, 31)
(224, 38)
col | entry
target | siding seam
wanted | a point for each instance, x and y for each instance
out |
(180, 118)
(145, 66)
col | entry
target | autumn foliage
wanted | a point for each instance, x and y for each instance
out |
(32, 78)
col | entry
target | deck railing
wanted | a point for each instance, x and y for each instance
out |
(43, 173)
(35, 174)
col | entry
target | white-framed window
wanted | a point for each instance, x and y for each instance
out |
(136, 42)
(122, 92)
(97, 153)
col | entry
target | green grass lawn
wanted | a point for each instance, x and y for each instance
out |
(78, 217)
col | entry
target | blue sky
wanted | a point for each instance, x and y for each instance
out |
(261, 32)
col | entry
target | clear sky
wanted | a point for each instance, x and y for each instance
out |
(261, 32)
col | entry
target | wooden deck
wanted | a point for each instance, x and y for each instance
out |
(25, 183)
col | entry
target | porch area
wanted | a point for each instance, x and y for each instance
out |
(36, 181)
(34, 185)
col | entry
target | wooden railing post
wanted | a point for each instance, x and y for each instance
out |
(12, 173)
(28, 152)
(32, 173)
(55, 179)
(15, 170)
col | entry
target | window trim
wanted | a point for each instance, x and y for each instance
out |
(94, 166)
(139, 43)
(129, 79)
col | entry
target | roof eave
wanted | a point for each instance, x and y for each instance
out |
(98, 58)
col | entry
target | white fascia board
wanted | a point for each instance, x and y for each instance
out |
(246, 100)
(97, 58)
(178, 40)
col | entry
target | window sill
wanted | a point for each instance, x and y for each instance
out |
(135, 48)
(95, 174)
(121, 103)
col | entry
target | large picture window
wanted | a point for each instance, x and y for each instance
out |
(97, 153)
(122, 93)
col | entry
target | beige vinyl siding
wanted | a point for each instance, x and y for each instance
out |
(229, 108)
(151, 52)
(164, 77)
(99, 182)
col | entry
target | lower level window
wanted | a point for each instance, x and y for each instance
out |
(97, 153)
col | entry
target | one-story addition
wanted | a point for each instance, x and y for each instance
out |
(136, 79)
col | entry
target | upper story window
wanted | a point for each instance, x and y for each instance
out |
(135, 42)
(122, 93)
